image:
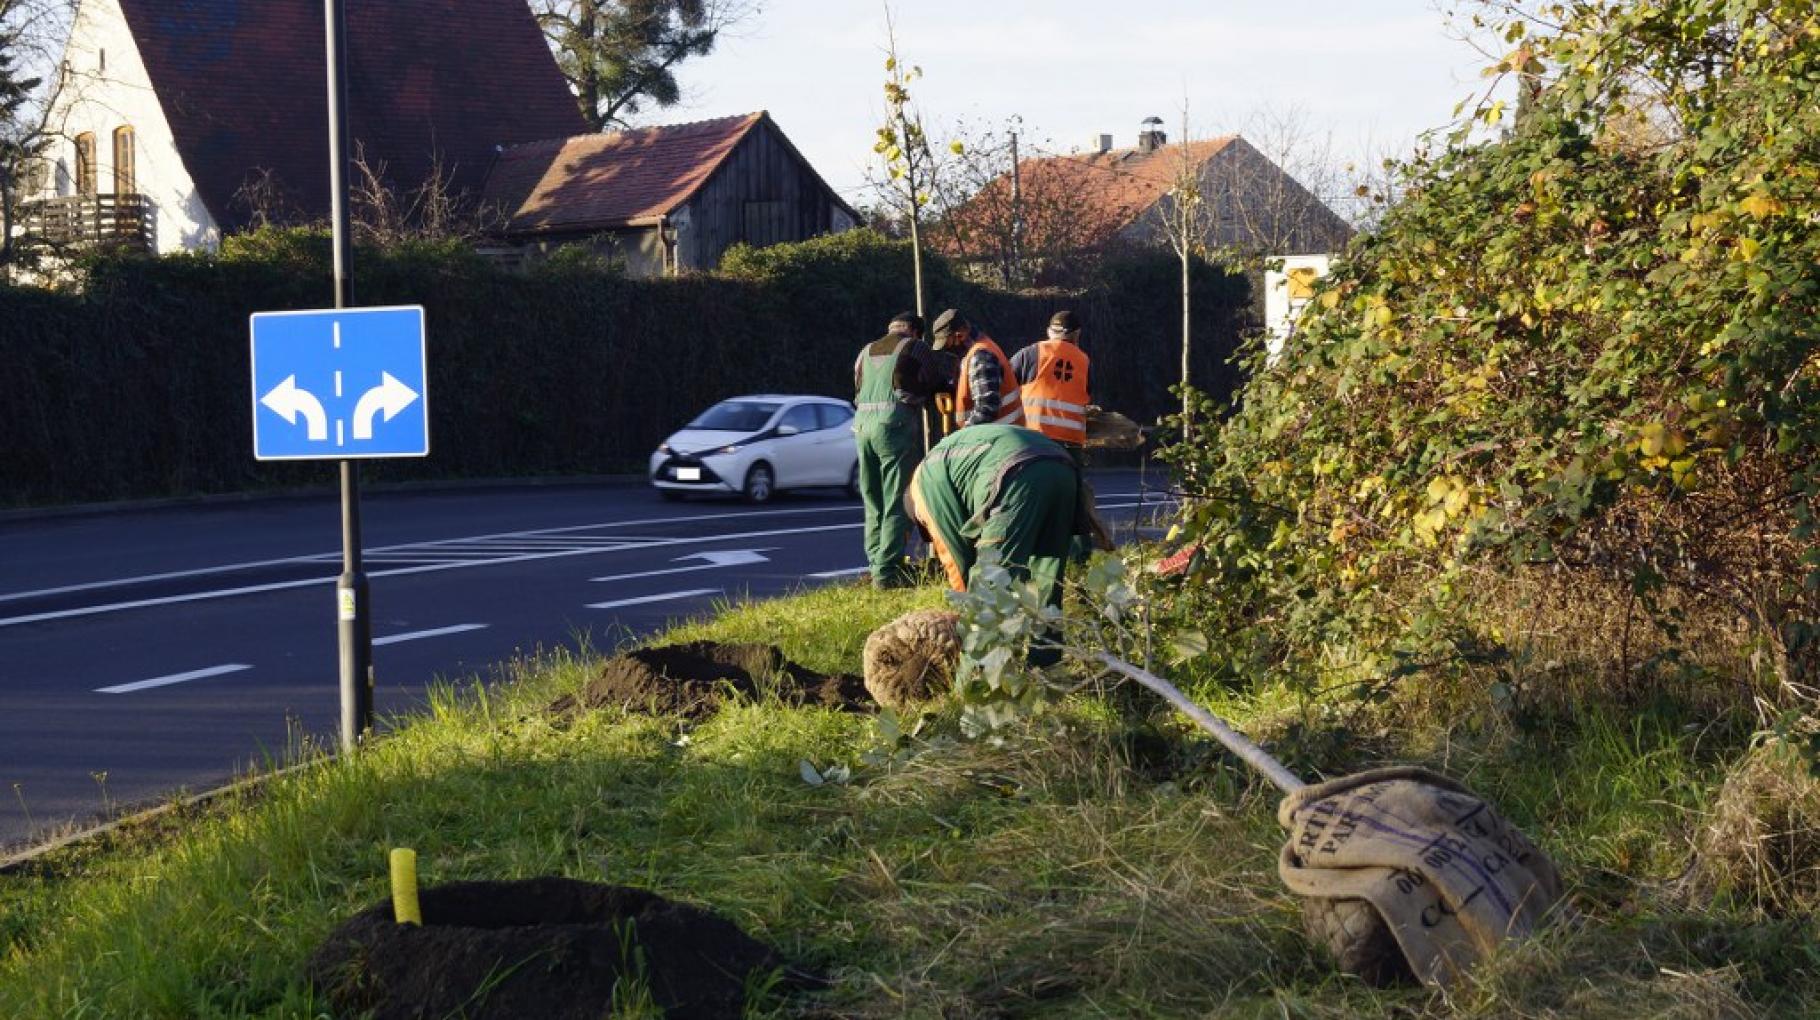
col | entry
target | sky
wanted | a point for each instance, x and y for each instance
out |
(1368, 75)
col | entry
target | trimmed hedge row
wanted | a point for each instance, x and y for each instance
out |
(136, 385)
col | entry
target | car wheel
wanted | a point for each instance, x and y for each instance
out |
(853, 482)
(760, 484)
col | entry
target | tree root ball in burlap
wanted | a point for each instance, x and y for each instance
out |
(1354, 933)
(912, 659)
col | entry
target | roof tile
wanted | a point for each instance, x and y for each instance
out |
(243, 84)
(626, 178)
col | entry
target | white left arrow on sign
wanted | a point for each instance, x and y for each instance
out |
(288, 401)
(717, 558)
(390, 396)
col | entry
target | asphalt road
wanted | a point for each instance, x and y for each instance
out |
(148, 652)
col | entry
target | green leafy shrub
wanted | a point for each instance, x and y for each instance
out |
(1584, 348)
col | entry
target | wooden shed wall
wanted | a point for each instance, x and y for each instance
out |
(762, 194)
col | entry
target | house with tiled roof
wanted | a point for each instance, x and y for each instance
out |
(667, 198)
(180, 121)
(1106, 198)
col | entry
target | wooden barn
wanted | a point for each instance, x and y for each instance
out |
(664, 199)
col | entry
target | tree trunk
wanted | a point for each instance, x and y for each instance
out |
(588, 81)
(1187, 256)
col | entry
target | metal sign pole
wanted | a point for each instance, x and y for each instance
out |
(354, 622)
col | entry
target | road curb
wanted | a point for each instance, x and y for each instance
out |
(316, 493)
(23, 859)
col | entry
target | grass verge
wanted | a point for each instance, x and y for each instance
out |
(1072, 869)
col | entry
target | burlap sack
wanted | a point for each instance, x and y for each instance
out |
(1450, 878)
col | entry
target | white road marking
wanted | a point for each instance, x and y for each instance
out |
(715, 558)
(254, 589)
(418, 635)
(174, 678)
(428, 568)
(644, 599)
(228, 568)
(849, 572)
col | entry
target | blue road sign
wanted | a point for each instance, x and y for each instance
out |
(340, 384)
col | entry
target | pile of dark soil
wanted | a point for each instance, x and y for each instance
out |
(694, 679)
(550, 948)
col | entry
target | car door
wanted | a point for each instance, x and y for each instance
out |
(797, 455)
(837, 444)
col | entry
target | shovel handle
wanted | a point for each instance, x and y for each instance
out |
(1234, 741)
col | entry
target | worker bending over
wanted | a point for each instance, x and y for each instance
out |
(1053, 375)
(986, 390)
(1000, 487)
(895, 376)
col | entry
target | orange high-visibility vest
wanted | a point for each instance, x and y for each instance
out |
(1055, 399)
(1010, 394)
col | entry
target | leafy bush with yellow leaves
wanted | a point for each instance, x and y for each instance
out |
(1582, 347)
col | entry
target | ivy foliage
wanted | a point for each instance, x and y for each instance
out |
(1588, 345)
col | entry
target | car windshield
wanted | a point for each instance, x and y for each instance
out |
(735, 416)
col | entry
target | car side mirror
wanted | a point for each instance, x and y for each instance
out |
(787, 430)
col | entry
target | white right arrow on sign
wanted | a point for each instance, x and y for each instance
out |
(390, 396)
(288, 401)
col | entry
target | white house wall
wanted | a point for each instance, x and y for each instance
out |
(98, 99)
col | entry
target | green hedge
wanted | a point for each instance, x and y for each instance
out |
(136, 384)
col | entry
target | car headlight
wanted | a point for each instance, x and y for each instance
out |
(664, 448)
(730, 448)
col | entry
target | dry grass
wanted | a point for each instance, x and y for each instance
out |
(1760, 843)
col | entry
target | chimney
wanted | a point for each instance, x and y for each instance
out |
(1150, 135)
(1102, 144)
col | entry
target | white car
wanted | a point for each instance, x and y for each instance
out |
(756, 446)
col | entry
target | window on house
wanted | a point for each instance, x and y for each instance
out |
(767, 223)
(85, 164)
(126, 173)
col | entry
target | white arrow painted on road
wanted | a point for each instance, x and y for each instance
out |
(390, 396)
(288, 401)
(715, 558)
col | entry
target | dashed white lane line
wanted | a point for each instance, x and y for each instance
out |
(174, 678)
(849, 572)
(419, 635)
(665, 597)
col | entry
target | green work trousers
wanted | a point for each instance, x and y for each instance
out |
(1033, 524)
(889, 449)
(1033, 529)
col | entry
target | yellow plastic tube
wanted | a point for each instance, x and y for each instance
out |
(405, 909)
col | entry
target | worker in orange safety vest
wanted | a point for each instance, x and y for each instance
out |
(1053, 374)
(987, 389)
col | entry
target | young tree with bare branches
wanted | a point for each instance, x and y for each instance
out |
(903, 144)
(1184, 218)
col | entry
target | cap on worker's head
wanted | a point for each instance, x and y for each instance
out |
(907, 324)
(950, 319)
(1063, 324)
